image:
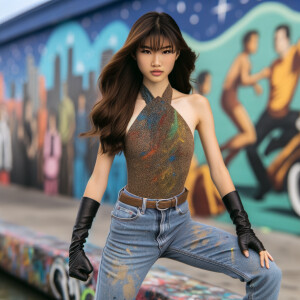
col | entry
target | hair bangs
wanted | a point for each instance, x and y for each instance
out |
(157, 39)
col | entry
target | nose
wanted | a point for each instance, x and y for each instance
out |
(156, 60)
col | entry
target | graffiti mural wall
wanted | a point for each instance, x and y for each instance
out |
(248, 68)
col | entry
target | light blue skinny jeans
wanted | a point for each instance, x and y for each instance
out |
(139, 236)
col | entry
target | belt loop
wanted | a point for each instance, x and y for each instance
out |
(120, 191)
(144, 205)
(176, 199)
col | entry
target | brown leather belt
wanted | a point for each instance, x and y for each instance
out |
(160, 204)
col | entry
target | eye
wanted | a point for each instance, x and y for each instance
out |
(167, 51)
(145, 51)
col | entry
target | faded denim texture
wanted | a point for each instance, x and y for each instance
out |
(139, 236)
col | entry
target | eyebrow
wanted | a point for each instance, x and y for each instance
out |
(147, 47)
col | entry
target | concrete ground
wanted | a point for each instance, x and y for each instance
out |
(56, 216)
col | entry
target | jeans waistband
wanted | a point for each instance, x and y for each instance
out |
(133, 195)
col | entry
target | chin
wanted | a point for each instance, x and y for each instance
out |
(155, 79)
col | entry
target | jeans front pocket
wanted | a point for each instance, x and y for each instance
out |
(125, 212)
(183, 208)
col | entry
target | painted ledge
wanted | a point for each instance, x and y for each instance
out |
(42, 261)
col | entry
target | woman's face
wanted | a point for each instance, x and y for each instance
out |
(149, 60)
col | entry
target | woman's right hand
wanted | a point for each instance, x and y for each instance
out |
(79, 265)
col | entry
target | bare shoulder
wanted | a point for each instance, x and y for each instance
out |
(195, 105)
(198, 99)
(181, 97)
(243, 56)
(244, 59)
(201, 106)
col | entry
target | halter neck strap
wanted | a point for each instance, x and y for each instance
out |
(148, 97)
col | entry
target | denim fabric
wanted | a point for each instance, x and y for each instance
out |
(139, 236)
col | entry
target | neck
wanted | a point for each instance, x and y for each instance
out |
(284, 53)
(156, 88)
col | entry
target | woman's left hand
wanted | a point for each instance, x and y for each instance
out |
(264, 257)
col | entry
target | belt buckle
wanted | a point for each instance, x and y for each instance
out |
(157, 202)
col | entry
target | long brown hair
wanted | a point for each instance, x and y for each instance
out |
(120, 79)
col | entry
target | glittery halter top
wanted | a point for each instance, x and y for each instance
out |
(158, 148)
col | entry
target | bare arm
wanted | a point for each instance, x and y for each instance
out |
(297, 58)
(206, 129)
(79, 265)
(97, 183)
(223, 182)
(251, 79)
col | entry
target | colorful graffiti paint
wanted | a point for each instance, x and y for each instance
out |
(42, 261)
(161, 282)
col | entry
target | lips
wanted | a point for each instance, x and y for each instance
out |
(156, 73)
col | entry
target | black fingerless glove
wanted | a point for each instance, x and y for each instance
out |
(246, 236)
(79, 265)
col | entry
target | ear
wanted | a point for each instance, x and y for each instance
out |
(177, 55)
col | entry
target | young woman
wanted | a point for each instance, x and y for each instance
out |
(147, 112)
